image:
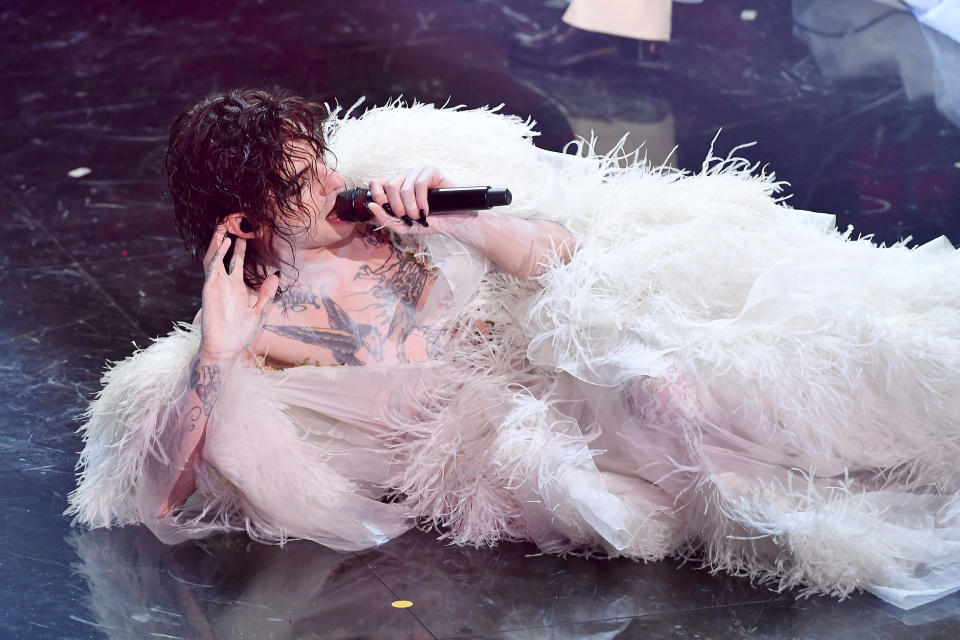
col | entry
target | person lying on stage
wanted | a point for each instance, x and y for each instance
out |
(249, 173)
(626, 361)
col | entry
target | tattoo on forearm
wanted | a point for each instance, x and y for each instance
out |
(189, 425)
(205, 380)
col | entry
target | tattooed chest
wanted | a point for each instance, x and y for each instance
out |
(369, 318)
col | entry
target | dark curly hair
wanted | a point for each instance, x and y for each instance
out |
(227, 154)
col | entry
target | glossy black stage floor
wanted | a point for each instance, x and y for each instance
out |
(859, 110)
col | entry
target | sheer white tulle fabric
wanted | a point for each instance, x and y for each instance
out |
(713, 375)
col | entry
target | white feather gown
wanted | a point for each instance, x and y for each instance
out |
(713, 375)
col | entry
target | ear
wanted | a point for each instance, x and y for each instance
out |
(238, 225)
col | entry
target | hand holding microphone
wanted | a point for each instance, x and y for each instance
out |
(412, 198)
(518, 247)
(352, 204)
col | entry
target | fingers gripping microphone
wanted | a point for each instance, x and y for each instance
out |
(351, 204)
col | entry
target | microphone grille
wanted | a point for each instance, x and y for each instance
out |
(351, 205)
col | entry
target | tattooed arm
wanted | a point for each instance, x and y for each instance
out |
(171, 467)
(230, 323)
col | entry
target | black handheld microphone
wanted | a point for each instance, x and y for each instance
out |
(351, 205)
